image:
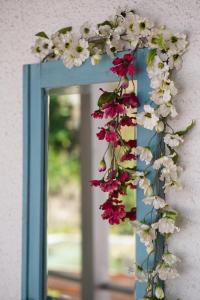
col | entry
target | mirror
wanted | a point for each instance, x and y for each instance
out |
(72, 204)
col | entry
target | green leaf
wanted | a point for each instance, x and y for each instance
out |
(65, 30)
(160, 41)
(106, 97)
(186, 130)
(105, 23)
(170, 214)
(150, 56)
(42, 34)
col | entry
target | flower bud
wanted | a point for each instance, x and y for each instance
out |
(159, 293)
(95, 59)
(160, 126)
(124, 83)
(102, 165)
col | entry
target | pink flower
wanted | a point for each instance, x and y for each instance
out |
(124, 177)
(111, 136)
(114, 211)
(128, 156)
(110, 185)
(101, 134)
(113, 109)
(97, 114)
(95, 182)
(130, 99)
(124, 66)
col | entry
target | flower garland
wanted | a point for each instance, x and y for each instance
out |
(129, 31)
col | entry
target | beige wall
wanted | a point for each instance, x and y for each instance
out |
(19, 20)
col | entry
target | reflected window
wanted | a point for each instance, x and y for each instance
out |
(65, 216)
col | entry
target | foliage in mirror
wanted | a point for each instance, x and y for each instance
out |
(130, 31)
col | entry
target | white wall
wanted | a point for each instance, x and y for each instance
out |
(19, 21)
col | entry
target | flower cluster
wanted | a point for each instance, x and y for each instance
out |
(124, 31)
(128, 31)
(119, 108)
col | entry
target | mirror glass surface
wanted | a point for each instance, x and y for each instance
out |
(114, 246)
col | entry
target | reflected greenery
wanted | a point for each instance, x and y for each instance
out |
(63, 145)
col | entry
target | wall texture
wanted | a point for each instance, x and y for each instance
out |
(19, 21)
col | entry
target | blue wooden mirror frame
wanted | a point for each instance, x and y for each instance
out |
(36, 79)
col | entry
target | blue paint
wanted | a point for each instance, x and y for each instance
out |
(37, 78)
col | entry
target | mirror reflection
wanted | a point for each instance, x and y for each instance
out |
(72, 134)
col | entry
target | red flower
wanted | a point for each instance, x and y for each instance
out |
(124, 66)
(124, 177)
(114, 194)
(117, 61)
(114, 211)
(127, 121)
(131, 215)
(97, 114)
(110, 185)
(128, 156)
(111, 136)
(130, 99)
(101, 134)
(132, 143)
(112, 124)
(113, 109)
(95, 182)
(128, 57)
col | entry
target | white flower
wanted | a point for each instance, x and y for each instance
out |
(42, 47)
(62, 42)
(143, 26)
(105, 30)
(169, 171)
(130, 23)
(140, 274)
(156, 201)
(170, 259)
(164, 92)
(175, 60)
(172, 185)
(145, 184)
(162, 161)
(158, 69)
(146, 233)
(145, 154)
(173, 140)
(166, 226)
(77, 53)
(167, 109)
(86, 30)
(159, 293)
(148, 119)
(116, 41)
(166, 272)
(178, 43)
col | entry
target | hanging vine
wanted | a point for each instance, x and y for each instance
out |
(127, 31)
